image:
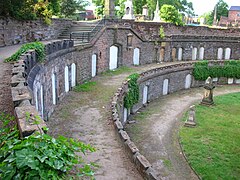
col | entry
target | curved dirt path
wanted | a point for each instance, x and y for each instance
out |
(156, 131)
(86, 116)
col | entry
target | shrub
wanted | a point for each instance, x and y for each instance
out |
(37, 46)
(230, 69)
(38, 156)
(132, 95)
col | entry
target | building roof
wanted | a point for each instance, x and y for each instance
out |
(234, 8)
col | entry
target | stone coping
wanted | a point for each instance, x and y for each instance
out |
(23, 74)
(141, 163)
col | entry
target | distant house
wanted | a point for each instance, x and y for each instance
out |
(85, 15)
(233, 17)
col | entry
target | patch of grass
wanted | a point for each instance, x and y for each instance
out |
(118, 71)
(213, 147)
(167, 163)
(85, 87)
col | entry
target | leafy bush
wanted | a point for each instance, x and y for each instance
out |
(39, 156)
(37, 46)
(170, 14)
(230, 69)
(132, 95)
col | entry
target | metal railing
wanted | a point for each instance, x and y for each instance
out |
(86, 36)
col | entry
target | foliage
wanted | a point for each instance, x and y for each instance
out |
(161, 32)
(230, 69)
(170, 14)
(68, 7)
(181, 5)
(37, 46)
(54, 5)
(120, 70)
(222, 10)
(85, 87)
(132, 96)
(26, 9)
(42, 11)
(38, 156)
(212, 147)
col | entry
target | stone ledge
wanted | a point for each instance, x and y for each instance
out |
(27, 125)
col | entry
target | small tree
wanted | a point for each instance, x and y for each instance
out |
(170, 14)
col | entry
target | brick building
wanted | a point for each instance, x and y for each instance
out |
(233, 17)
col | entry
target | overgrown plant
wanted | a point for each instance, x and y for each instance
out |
(37, 46)
(230, 69)
(132, 95)
(161, 32)
(39, 156)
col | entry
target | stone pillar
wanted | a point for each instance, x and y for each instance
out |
(109, 8)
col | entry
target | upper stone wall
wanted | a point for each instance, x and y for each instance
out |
(19, 32)
(149, 31)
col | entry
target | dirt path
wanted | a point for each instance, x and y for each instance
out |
(86, 116)
(156, 131)
(6, 104)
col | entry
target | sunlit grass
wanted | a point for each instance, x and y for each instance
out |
(213, 147)
(118, 71)
(85, 87)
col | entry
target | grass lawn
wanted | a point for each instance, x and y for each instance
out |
(213, 147)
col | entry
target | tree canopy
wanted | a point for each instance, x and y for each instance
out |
(170, 14)
(181, 5)
(222, 10)
(32, 9)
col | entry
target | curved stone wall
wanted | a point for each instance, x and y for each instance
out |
(38, 87)
(159, 82)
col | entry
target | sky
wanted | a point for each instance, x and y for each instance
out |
(202, 6)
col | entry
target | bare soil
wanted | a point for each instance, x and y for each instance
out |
(156, 132)
(86, 116)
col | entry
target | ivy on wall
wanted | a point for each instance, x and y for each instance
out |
(132, 95)
(230, 69)
(37, 46)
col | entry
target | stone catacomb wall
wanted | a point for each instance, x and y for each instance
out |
(45, 84)
(179, 77)
(18, 32)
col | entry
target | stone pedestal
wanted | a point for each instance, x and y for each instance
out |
(208, 93)
(190, 122)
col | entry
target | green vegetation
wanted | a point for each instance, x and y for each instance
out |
(34, 9)
(213, 147)
(132, 95)
(118, 71)
(230, 69)
(181, 5)
(38, 156)
(37, 46)
(85, 87)
(170, 14)
(222, 10)
(161, 32)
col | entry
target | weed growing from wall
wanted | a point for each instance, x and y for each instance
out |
(132, 95)
(37, 46)
(230, 69)
(161, 32)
